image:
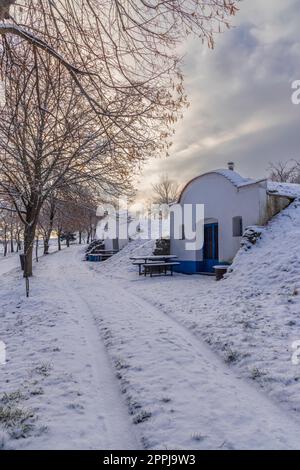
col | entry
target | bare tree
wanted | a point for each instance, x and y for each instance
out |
(72, 210)
(134, 28)
(4, 228)
(49, 140)
(123, 55)
(285, 172)
(297, 173)
(123, 59)
(10, 226)
(166, 191)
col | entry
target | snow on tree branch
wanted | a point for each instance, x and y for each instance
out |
(123, 47)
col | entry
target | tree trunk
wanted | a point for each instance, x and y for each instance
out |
(5, 242)
(19, 244)
(58, 240)
(12, 243)
(92, 234)
(80, 238)
(46, 245)
(28, 249)
(29, 236)
(49, 231)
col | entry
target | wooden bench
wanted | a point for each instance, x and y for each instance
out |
(159, 267)
(142, 263)
(139, 264)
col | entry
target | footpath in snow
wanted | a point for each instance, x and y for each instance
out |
(160, 387)
(58, 389)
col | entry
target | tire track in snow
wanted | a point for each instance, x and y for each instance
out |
(104, 407)
(208, 399)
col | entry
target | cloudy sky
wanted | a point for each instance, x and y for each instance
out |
(240, 96)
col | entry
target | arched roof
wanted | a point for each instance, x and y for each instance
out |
(235, 178)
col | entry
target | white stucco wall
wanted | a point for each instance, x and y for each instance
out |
(109, 243)
(222, 201)
(120, 226)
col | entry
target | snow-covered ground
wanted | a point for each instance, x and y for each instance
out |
(58, 389)
(12, 260)
(251, 318)
(104, 358)
(9, 262)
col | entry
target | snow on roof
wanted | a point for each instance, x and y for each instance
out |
(279, 189)
(284, 189)
(235, 178)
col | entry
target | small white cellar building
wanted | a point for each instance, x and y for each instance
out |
(113, 230)
(231, 203)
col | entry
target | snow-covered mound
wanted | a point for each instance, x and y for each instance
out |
(284, 189)
(120, 264)
(275, 257)
(253, 316)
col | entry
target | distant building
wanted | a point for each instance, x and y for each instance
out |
(116, 223)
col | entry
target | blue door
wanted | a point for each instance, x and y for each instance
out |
(210, 247)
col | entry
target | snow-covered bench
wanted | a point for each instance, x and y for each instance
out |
(159, 267)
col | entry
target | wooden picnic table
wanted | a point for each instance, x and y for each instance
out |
(153, 259)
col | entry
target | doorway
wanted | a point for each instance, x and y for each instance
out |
(210, 247)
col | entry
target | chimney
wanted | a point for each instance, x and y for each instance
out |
(231, 166)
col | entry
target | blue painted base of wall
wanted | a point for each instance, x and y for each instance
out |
(207, 266)
(193, 267)
(94, 258)
(186, 267)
